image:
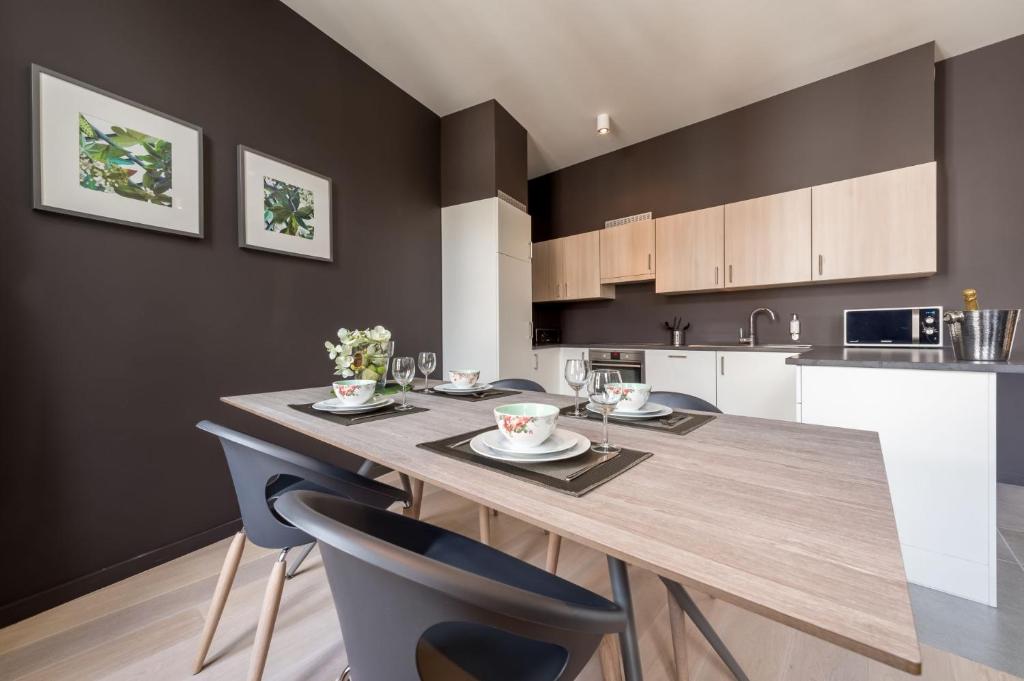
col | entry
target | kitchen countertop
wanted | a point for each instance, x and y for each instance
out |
(711, 347)
(935, 359)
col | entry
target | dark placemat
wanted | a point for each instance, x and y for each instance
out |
(356, 419)
(488, 394)
(676, 423)
(551, 475)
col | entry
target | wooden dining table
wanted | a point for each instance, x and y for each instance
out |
(793, 522)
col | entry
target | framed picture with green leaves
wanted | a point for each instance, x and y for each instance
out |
(98, 155)
(283, 208)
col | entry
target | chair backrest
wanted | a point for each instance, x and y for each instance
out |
(518, 384)
(396, 579)
(260, 471)
(683, 401)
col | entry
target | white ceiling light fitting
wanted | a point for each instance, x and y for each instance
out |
(604, 124)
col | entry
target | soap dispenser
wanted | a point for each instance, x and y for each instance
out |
(794, 327)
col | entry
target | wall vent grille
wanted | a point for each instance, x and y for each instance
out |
(508, 199)
(626, 220)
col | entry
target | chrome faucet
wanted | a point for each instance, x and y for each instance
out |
(751, 340)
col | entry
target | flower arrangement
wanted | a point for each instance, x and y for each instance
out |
(361, 354)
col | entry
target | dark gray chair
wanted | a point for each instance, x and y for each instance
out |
(261, 472)
(518, 384)
(419, 603)
(683, 401)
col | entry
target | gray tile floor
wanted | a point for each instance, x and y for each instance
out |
(992, 636)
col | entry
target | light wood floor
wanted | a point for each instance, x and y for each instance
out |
(146, 627)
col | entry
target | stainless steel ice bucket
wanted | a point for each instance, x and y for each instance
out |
(982, 335)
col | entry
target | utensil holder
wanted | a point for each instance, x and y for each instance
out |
(982, 335)
(678, 338)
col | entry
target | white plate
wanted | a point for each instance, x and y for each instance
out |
(455, 390)
(334, 405)
(650, 411)
(559, 441)
(582, 446)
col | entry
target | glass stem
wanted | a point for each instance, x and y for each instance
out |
(605, 414)
(404, 393)
(576, 402)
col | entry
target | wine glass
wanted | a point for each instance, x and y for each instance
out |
(427, 362)
(605, 396)
(404, 370)
(576, 373)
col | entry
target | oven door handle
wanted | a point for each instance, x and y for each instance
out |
(612, 365)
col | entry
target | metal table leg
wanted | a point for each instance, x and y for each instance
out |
(693, 612)
(302, 556)
(627, 639)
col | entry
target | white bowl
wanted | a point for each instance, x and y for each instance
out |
(633, 396)
(464, 378)
(354, 392)
(526, 424)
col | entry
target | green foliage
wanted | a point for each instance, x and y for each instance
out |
(287, 209)
(123, 161)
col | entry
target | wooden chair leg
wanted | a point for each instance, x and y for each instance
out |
(417, 500)
(554, 546)
(268, 616)
(220, 597)
(485, 525)
(677, 620)
(611, 658)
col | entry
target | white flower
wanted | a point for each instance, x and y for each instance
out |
(378, 334)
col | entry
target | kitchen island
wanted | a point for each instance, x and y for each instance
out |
(937, 420)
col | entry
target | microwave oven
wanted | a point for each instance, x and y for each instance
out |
(893, 327)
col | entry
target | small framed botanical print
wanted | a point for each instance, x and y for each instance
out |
(282, 208)
(101, 156)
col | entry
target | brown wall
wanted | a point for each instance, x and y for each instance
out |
(873, 118)
(117, 340)
(483, 150)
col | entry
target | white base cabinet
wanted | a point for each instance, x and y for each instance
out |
(758, 384)
(938, 437)
(683, 371)
(544, 368)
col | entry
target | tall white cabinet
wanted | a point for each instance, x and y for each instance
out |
(486, 289)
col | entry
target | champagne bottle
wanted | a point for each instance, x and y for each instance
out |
(970, 299)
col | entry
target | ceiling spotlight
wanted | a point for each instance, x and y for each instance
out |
(604, 124)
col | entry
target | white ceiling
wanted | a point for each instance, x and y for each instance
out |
(654, 65)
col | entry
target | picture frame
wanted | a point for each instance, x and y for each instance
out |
(283, 208)
(90, 160)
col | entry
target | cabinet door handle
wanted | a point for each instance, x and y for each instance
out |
(716, 275)
(531, 330)
(722, 363)
(821, 264)
(677, 356)
(535, 362)
(730, 274)
(648, 262)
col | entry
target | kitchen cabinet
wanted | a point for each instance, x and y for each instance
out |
(544, 369)
(569, 268)
(486, 309)
(683, 371)
(876, 226)
(691, 251)
(627, 252)
(758, 384)
(768, 240)
(938, 435)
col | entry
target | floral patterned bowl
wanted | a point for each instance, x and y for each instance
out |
(464, 378)
(633, 396)
(526, 425)
(354, 392)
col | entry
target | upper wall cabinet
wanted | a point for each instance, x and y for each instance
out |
(627, 253)
(768, 240)
(876, 226)
(569, 268)
(691, 251)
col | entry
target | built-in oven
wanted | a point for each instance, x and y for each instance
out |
(629, 363)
